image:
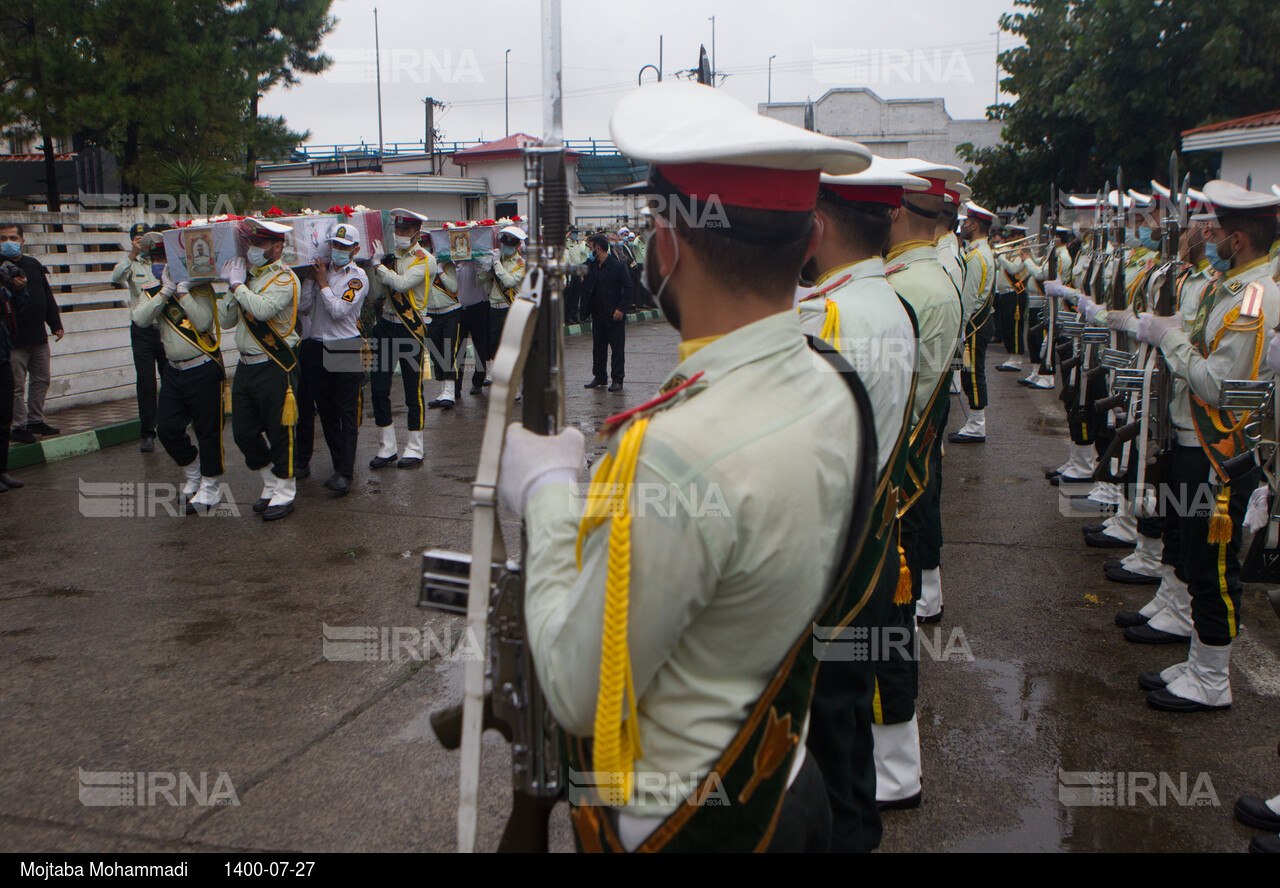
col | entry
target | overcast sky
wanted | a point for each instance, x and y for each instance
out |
(454, 53)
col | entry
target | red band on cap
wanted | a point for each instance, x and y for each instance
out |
(757, 188)
(885, 194)
(936, 186)
(953, 196)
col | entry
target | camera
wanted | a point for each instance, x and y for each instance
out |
(9, 271)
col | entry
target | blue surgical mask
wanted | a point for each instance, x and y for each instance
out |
(157, 269)
(340, 257)
(10, 249)
(508, 249)
(1218, 263)
(257, 257)
(1146, 239)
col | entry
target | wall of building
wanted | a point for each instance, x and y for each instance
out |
(891, 127)
(1260, 161)
(444, 207)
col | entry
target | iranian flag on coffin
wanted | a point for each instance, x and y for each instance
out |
(373, 225)
(308, 239)
(198, 252)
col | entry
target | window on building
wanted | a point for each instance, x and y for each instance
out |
(505, 209)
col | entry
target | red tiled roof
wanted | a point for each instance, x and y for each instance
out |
(511, 145)
(1266, 118)
(500, 149)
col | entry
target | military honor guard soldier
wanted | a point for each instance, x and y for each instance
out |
(444, 330)
(400, 337)
(502, 278)
(191, 382)
(1227, 337)
(720, 606)
(331, 301)
(979, 284)
(854, 308)
(262, 306)
(140, 271)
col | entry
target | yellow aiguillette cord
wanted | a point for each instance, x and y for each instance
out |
(616, 743)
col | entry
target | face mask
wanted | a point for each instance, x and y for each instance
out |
(157, 269)
(668, 306)
(10, 249)
(340, 257)
(1218, 263)
(257, 257)
(508, 250)
(403, 242)
(1145, 238)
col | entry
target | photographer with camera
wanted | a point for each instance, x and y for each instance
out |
(13, 294)
(30, 343)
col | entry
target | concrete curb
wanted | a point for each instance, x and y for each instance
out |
(62, 447)
(50, 450)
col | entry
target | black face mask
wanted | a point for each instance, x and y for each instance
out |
(666, 301)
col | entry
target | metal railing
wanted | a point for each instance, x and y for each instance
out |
(313, 153)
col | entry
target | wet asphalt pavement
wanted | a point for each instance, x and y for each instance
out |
(166, 645)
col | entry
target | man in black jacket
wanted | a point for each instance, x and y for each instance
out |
(9, 280)
(30, 355)
(606, 294)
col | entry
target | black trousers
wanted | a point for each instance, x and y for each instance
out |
(1210, 570)
(337, 399)
(497, 321)
(1006, 311)
(607, 334)
(6, 412)
(804, 823)
(572, 296)
(922, 525)
(257, 399)
(1035, 341)
(973, 379)
(393, 344)
(475, 323)
(897, 669)
(304, 434)
(193, 397)
(148, 363)
(443, 334)
(840, 722)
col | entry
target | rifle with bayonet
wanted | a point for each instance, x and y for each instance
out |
(486, 585)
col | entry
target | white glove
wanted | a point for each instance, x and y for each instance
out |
(166, 283)
(1118, 320)
(1151, 328)
(530, 461)
(1088, 308)
(184, 288)
(375, 250)
(1258, 513)
(235, 272)
(1273, 351)
(1057, 289)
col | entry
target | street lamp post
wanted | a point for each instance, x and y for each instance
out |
(771, 58)
(506, 90)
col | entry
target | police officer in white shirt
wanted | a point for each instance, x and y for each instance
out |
(332, 301)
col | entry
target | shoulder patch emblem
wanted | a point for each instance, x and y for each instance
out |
(894, 268)
(1235, 286)
(1252, 305)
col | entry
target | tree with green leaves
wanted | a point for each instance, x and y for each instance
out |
(275, 41)
(1106, 83)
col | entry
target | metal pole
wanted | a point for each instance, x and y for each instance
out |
(506, 89)
(659, 58)
(377, 62)
(431, 132)
(771, 58)
(997, 67)
(713, 50)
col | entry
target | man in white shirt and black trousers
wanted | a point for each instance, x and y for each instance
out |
(333, 369)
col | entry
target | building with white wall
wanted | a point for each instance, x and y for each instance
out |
(890, 127)
(1247, 147)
